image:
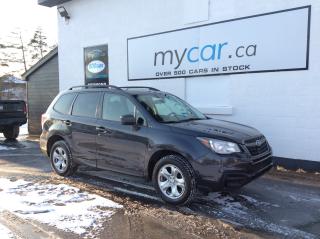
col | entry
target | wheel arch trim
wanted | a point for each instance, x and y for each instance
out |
(159, 152)
(52, 139)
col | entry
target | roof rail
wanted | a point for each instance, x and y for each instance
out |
(138, 87)
(94, 86)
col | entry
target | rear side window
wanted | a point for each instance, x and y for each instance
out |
(64, 103)
(86, 104)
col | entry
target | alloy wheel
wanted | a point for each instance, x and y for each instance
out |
(171, 181)
(60, 159)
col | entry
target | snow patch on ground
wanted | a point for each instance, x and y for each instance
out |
(238, 204)
(4, 147)
(236, 207)
(228, 203)
(258, 203)
(299, 198)
(62, 206)
(24, 129)
(5, 233)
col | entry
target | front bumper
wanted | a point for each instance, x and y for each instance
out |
(238, 176)
(234, 171)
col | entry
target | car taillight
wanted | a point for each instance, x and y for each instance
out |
(44, 117)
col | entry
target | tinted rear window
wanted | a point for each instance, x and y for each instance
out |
(64, 103)
(86, 104)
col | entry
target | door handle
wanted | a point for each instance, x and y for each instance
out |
(67, 122)
(103, 130)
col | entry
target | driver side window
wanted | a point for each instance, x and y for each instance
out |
(115, 106)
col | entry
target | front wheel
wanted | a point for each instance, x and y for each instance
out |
(11, 132)
(174, 179)
(61, 159)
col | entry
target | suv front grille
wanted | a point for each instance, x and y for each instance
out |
(257, 146)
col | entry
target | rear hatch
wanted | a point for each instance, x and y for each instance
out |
(12, 109)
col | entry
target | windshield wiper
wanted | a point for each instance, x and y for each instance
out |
(181, 121)
(170, 122)
(191, 119)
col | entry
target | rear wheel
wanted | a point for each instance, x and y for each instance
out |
(61, 159)
(174, 179)
(11, 132)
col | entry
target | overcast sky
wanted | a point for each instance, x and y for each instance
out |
(25, 16)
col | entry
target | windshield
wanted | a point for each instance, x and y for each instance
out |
(167, 108)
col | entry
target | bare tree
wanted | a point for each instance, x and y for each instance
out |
(12, 51)
(18, 51)
(23, 52)
(39, 44)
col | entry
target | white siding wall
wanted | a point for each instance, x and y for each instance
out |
(285, 106)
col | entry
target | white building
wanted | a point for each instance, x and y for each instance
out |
(275, 45)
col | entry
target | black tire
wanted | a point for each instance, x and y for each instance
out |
(187, 173)
(70, 167)
(11, 132)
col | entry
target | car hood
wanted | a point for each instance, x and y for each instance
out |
(221, 129)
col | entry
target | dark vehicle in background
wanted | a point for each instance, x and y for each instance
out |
(145, 132)
(13, 114)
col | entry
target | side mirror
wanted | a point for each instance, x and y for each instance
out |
(128, 120)
(140, 121)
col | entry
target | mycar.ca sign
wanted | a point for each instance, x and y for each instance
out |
(276, 41)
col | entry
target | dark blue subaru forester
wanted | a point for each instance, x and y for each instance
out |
(145, 132)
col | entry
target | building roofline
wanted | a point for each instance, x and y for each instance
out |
(39, 64)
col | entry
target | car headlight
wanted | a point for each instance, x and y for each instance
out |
(219, 146)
